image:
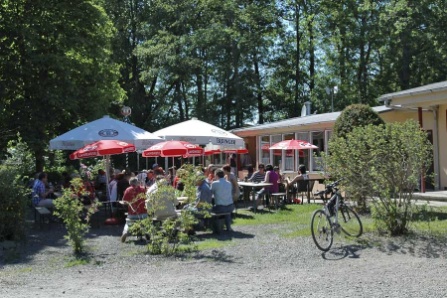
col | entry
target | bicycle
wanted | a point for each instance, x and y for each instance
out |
(333, 217)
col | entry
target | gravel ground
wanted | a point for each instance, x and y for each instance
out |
(255, 262)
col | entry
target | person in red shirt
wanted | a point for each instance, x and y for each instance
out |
(135, 198)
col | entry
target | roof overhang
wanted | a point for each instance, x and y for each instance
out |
(424, 96)
(292, 125)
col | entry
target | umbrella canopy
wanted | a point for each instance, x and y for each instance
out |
(201, 133)
(277, 152)
(292, 145)
(172, 149)
(102, 148)
(104, 128)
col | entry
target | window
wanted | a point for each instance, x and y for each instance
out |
(303, 154)
(265, 149)
(317, 140)
(277, 154)
(289, 154)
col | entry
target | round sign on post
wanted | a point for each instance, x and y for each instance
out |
(126, 111)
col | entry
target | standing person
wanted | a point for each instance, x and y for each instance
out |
(134, 197)
(223, 199)
(122, 184)
(233, 180)
(113, 193)
(101, 181)
(39, 192)
(233, 163)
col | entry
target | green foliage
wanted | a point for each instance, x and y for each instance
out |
(14, 199)
(172, 235)
(20, 157)
(188, 174)
(56, 68)
(355, 116)
(72, 212)
(384, 163)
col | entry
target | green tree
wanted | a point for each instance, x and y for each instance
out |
(354, 116)
(56, 66)
(384, 163)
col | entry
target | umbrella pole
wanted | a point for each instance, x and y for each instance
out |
(138, 162)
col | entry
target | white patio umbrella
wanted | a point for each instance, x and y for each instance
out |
(105, 128)
(201, 133)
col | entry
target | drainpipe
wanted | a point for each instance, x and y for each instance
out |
(421, 125)
(437, 178)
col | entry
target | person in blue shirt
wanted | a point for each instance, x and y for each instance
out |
(223, 198)
(39, 192)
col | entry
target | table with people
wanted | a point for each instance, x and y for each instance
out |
(217, 191)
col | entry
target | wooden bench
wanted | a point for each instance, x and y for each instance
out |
(275, 198)
(218, 221)
(44, 213)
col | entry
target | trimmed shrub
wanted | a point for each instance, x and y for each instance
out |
(383, 163)
(355, 115)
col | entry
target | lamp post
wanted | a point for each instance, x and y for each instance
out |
(332, 91)
(126, 111)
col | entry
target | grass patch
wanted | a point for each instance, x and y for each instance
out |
(77, 262)
(296, 220)
(429, 221)
(297, 214)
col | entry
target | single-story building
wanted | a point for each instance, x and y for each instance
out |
(427, 104)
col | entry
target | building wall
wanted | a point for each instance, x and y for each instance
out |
(442, 136)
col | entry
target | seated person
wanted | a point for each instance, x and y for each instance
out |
(40, 194)
(302, 175)
(203, 196)
(134, 197)
(259, 175)
(223, 198)
(233, 180)
(161, 199)
(270, 177)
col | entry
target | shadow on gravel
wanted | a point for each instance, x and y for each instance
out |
(421, 247)
(50, 237)
(224, 236)
(342, 252)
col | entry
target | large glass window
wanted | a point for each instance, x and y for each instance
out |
(289, 164)
(303, 154)
(265, 149)
(317, 140)
(277, 154)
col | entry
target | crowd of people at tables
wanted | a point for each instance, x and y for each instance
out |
(216, 189)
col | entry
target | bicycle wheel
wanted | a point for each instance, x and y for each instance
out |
(349, 221)
(322, 232)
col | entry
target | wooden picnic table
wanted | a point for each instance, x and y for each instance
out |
(253, 186)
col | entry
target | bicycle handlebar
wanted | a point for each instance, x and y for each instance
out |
(329, 188)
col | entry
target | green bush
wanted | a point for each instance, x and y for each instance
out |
(355, 115)
(14, 200)
(76, 218)
(172, 235)
(383, 163)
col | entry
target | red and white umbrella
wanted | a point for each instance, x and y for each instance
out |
(292, 145)
(172, 149)
(103, 148)
(289, 153)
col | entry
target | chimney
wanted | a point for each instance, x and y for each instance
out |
(308, 107)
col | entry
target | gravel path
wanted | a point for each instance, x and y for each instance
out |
(255, 262)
